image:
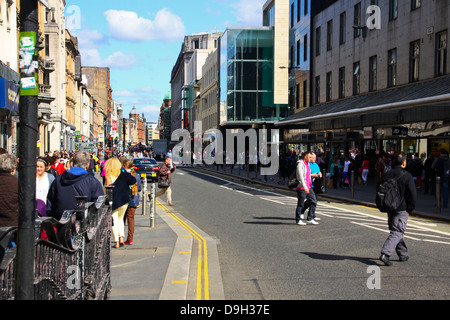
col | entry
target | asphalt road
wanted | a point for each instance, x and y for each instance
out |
(264, 255)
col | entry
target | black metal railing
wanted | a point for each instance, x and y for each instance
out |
(72, 255)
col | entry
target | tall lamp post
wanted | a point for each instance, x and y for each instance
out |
(28, 111)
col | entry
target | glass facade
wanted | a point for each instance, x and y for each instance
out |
(246, 76)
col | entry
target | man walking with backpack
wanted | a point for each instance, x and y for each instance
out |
(398, 217)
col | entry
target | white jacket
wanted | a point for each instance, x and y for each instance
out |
(301, 172)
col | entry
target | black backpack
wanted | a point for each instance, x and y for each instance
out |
(388, 197)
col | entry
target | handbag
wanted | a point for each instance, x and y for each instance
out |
(293, 183)
(163, 183)
(330, 182)
(319, 187)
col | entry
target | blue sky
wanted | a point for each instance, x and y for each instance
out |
(140, 40)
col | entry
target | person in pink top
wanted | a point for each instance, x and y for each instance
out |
(102, 168)
(305, 191)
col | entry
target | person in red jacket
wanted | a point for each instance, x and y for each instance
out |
(58, 166)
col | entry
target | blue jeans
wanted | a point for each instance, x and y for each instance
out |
(304, 202)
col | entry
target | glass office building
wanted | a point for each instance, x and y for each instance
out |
(246, 77)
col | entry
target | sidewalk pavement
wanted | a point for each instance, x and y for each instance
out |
(155, 266)
(153, 269)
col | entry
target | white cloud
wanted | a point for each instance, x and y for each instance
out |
(118, 60)
(90, 39)
(248, 12)
(148, 90)
(124, 94)
(91, 57)
(121, 60)
(128, 26)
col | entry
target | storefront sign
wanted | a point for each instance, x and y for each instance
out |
(368, 132)
(28, 64)
(339, 135)
(320, 136)
(399, 131)
(9, 95)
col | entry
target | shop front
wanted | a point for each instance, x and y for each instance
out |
(9, 110)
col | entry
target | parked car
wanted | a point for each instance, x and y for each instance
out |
(146, 167)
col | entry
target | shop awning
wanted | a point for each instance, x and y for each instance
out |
(425, 93)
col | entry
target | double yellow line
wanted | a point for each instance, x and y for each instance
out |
(202, 254)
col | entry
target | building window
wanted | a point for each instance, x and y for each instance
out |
(373, 73)
(47, 45)
(392, 68)
(291, 98)
(318, 41)
(414, 59)
(292, 15)
(441, 53)
(195, 44)
(297, 97)
(291, 54)
(329, 86)
(342, 28)
(305, 47)
(306, 7)
(298, 52)
(317, 90)
(393, 9)
(341, 82)
(329, 34)
(356, 78)
(415, 4)
(305, 93)
(299, 8)
(357, 20)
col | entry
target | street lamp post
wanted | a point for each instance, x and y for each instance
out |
(28, 111)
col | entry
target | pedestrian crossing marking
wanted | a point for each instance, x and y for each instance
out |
(367, 220)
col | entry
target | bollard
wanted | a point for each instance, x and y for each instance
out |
(153, 205)
(324, 180)
(352, 183)
(144, 200)
(438, 194)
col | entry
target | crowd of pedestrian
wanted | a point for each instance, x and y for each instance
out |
(337, 167)
(61, 176)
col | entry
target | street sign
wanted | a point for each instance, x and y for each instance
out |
(28, 64)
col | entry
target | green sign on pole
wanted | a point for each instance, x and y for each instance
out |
(28, 64)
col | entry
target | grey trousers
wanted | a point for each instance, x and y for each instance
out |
(395, 242)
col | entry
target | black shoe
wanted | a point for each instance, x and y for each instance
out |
(385, 259)
(404, 259)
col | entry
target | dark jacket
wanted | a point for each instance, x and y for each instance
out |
(67, 186)
(134, 201)
(406, 186)
(121, 191)
(166, 173)
(9, 200)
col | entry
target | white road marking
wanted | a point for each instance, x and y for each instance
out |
(372, 221)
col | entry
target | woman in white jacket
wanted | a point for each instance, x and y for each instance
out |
(305, 191)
